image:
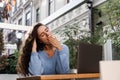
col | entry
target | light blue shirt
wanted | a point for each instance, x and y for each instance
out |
(41, 64)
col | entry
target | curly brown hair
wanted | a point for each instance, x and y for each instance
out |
(24, 58)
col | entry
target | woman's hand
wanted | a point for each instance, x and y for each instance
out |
(55, 42)
(34, 46)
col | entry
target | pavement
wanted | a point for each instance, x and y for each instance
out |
(8, 76)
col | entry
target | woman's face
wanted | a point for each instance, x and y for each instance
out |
(43, 33)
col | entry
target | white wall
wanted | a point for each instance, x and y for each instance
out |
(59, 4)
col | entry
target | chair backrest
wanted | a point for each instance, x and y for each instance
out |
(89, 56)
(110, 70)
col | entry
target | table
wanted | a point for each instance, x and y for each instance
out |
(62, 76)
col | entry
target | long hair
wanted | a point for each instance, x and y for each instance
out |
(24, 58)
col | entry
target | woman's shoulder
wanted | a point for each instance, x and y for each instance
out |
(64, 46)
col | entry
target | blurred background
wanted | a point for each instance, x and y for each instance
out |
(72, 21)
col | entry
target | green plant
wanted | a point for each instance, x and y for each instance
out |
(73, 35)
(12, 60)
(110, 29)
(1, 42)
(3, 62)
(111, 18)
(72, 44)
(69, 33)
(3, 58)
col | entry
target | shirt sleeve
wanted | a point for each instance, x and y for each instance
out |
(63, 60)
(35, 67)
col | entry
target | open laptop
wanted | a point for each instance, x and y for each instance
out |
(89, 56)
(110, 70)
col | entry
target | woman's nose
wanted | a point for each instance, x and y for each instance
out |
(47, 33)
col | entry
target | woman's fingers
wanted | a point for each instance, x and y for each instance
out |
(53, 40)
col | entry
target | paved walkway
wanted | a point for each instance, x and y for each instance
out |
(8, 76)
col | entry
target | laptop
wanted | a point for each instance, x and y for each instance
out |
(110, 70)
(89, 56)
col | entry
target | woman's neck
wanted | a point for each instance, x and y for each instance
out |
(50, 50)
(48, 47)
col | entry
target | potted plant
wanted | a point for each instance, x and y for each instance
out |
(12, 62)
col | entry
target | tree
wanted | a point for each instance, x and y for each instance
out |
(3, 63)
(1, 42)
(111, 18)
(3, 58)
(6, 8)
(109, 28)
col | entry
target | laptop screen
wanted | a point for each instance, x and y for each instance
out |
(89, 56)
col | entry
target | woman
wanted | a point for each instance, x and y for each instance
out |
(43, 54)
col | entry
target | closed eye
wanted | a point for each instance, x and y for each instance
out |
(42, 35)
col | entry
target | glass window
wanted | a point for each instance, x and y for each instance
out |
(15, 8)
(20, 2)
(20, 21)
(37, 14)
(28, 19)
(51, 7)
(69, 1)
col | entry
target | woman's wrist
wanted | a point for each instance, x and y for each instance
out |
(59, 47)
(33, 50)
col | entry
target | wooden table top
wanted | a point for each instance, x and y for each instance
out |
(62, 76)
